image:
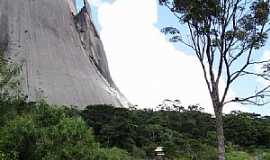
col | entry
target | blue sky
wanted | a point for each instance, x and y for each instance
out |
(171, 74)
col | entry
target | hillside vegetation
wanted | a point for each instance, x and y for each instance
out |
(35, 131)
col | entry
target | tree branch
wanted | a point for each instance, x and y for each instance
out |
(253, 99)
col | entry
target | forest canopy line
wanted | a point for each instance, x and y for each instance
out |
(35, 130)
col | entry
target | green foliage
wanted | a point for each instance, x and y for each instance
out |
(246, 129)
(238, 156)
(112, 154)
(196, 10)
(32, 137)
(180, 132)
(266, 156)
(39, 131)
(9, 78)
(241, 20)
(183, 133)
(261, 153)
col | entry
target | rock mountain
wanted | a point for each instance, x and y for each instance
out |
(60, 51)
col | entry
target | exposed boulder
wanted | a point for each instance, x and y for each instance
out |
(61, 53)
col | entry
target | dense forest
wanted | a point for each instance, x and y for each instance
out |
(35, 131)
(223, 35)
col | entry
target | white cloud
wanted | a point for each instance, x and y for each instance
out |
(98, 3)
(146, 67)
(95, 3)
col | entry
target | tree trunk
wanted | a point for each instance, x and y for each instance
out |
(220, 134)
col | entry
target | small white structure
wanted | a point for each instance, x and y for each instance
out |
(159, 152)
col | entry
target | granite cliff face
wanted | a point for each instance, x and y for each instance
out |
(60, 51)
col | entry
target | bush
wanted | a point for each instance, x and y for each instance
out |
(183, 158)
(49, 133)
(266, 156)
(112, 154)
(262, 154)
(29, 137)
(238, 155)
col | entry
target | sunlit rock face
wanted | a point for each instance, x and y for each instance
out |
(62, 56)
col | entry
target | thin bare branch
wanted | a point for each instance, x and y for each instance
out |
(253, 99)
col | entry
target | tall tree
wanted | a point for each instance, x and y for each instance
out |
(224, 35)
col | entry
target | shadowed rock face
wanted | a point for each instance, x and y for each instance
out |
(61, 54)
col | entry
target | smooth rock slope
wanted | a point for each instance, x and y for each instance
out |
(61, 54)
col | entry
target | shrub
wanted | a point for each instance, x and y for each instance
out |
(46, 133)
(112, 154)
(266, 156)
(238, 155)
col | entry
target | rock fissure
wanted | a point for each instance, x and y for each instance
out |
(91, 42)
